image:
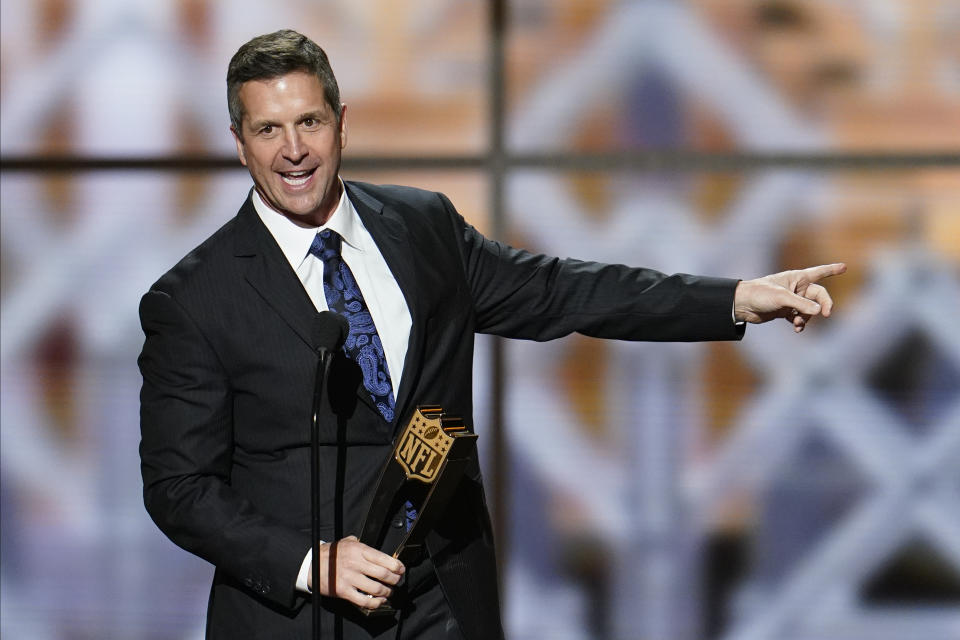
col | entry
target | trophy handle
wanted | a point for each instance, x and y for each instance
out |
(441, 490)
(383, 505)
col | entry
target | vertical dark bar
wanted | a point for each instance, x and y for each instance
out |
(496, 169)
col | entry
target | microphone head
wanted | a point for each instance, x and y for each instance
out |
(329, 331)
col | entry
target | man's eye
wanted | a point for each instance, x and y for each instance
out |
(309, 123)
(266, 130)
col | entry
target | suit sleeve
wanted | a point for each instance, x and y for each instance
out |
(186, 452)
(519, 294)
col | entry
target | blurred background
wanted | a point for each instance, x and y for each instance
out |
(783, 488)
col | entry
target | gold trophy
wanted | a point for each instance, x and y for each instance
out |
(426, 466)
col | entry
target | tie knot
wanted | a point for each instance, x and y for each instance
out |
(326, 244)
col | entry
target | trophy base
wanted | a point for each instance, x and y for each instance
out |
(382, 611)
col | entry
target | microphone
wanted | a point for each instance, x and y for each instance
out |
(329, 333)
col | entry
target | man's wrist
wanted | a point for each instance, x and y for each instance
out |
(303, 576)
(733, 306)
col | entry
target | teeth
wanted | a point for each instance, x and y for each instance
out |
(296, 178)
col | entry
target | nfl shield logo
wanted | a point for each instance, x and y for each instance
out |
(423, 447)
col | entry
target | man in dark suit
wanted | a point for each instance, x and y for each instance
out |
(229, 359)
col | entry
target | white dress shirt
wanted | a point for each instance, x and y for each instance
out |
(380, 289)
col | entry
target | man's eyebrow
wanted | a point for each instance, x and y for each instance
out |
(316, 114)
(259, 124)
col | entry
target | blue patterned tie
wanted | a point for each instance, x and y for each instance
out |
(363, 344)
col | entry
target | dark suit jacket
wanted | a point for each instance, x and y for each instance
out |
(228, 370)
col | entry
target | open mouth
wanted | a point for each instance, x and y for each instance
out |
(297, 178)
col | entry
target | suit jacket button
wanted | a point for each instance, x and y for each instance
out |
(398, 522)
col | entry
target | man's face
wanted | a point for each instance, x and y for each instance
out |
(290, 141)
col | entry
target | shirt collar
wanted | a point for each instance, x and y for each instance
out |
(295, 240)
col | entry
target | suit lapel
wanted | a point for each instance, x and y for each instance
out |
(389, 232)
(268, 271)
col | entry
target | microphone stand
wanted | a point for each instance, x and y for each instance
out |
(323, 368)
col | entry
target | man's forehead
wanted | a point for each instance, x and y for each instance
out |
(287, 95)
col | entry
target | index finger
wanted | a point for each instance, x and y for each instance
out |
(813, 274)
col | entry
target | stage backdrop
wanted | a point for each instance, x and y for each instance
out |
(783, 488)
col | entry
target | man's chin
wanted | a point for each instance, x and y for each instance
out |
(305, 211)
(302, 218)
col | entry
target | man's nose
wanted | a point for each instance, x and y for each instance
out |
(293, 148)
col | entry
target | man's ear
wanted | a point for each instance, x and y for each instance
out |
(240, 149)
(343, 126)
